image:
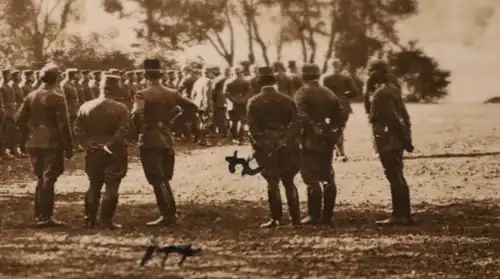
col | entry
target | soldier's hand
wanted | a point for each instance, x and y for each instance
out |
(68, 154)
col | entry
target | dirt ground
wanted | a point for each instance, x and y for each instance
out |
(454, 177)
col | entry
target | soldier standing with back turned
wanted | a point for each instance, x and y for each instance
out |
(152, 112)
(44, 111)
(392, 132)
(274, 130)
(102, 125)
(322, 119)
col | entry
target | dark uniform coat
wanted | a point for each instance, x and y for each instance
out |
(284, 84)
(343, 86)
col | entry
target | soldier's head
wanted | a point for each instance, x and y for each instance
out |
(187, 70)
(278, 67)
(71, 74)
(152, 69)
(209, 72)
(216, 70)
(110, 86)
(6, 75)
(130, 75)
(310, 72)
(49, 74)
(292, 66)
(245, 66)
(266, 76)
(378, 69)
(97, 75)
(28, 76)
(16, 76)
(227, 72)
(139, 74)
(237, 71)
(336, 65)
(86, 74)
(171, 75)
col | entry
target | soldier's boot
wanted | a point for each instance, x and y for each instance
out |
(92, 200)
(166, 205)
(314, 202)
(292, 199)
(405, 214)
(37, 200)
(47, 196)
(399, 197)
(109, 204)
(275, 205)
(329, 199)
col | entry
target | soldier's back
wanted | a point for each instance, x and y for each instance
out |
(318, 101)
(385, 97)
(102, 116)
(284, 84)
(274, 109)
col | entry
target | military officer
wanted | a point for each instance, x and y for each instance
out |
(322, 119)
(283, 82)
(102, 125)
(152, 112)
(44, 111)
(94, 85)
(72, 95)
(237, 91)
(10, 129)
(392, 133)
(274, 132)
(87, 93)
(28, 80)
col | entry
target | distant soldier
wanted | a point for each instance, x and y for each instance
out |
(28, 80)
(323, 119)
(294, 76)
(392, 132)
(203, 97)
(220, 106)
(153, 111)
(274, 132)
(342, 85)
(187, 83)
(237, 91)
(72, 96)
(44, 112)
(170, 79)
(130, 85)
(94, 84)
(141, 81)
(10, 130)
(283, 82)
(179, 78)
(87, 93)
(102, 126)
(254, 80)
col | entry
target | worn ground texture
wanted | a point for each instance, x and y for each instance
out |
(455, 197)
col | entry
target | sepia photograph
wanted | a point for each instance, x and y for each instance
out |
(304, 139)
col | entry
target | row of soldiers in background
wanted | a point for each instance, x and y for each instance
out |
(221, 94)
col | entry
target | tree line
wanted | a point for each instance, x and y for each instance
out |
(355, 31)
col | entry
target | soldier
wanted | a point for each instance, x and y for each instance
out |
(254, 80)
(203, 98)
(294, 76)
(179, 78)
(237, 91)
(72, 96)
(187, 84)
(170, 81)
(94, 84)
(37, 81)
(392, 132)
(274, 132)
(342, 85)
(87, 93)
(322, 118)
(20, 135)
(141, 81)
(10, 130)
(130, 85)
(152, 113)
(44, 112)
(283, 82)
(103, 125)
(220, 106)
(28, 81)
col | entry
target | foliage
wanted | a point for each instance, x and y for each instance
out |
(423, 75)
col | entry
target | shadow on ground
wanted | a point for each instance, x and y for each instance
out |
(456, 240)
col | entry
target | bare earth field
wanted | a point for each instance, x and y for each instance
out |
(453, 186)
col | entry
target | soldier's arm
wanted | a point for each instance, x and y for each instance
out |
(254, 127)
(302, 109)
(383, 108)
(58, 103)
(123, 129)
(185, 103)
(404, 112)
(23, 113)
(228, 92)
(353, 87)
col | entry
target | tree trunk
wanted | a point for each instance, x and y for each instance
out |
(260, 41)
(279, 45)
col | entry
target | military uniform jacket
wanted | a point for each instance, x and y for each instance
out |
(45, 114)
(219, 99)
(103, 122)
(321, 115)
(343, 86)
(153, 110)
(19, 94)
(237, 91)
(27, 88)
(284, 84)
(186, 86)
(296, 82)
(272, 119)
(389, 118)
(254, 83)
(9, 101)
(87, 93)
(72, 97)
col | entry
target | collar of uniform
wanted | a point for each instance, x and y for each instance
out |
(269, 89)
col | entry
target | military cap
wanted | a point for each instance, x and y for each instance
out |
(110, 82)
(96, 73)
(311, 70)
(139, 72)
(28, 72)
(265, 71)
(379, 66)
(15, 72)
(169, 72)
(6, 72)
(292, 64)
(71, 70)
(278, 65)
(130, 73)
(245, 63)
(151, 65)
(49, 69)
(86, 72)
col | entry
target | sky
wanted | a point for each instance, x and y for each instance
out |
(464, 35)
